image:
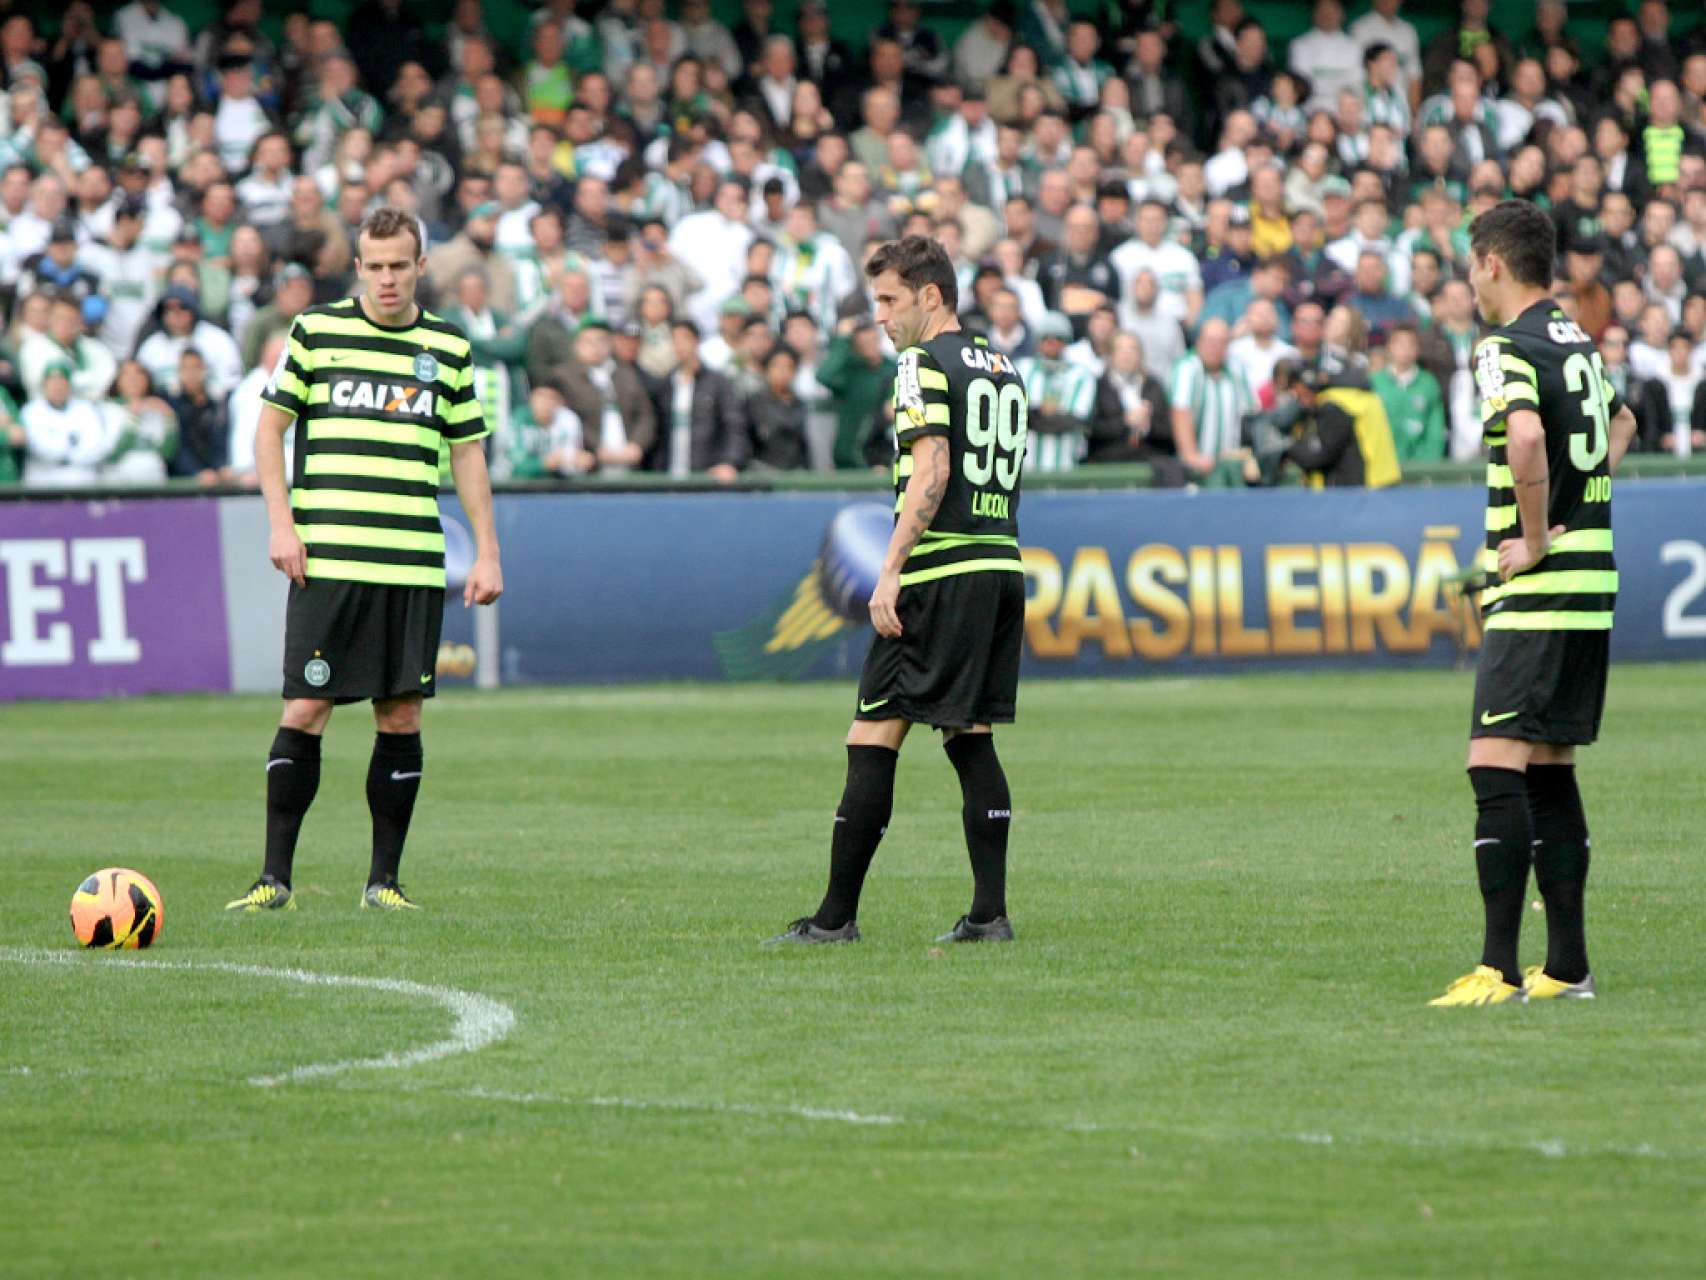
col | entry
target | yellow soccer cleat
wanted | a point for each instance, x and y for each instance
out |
(266, 894)
(386, 897)
(1485, 986)
(1537, 986)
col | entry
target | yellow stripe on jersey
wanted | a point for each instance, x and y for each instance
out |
(954, 570)
(1556, 582)
(1501, 517)
(350, 535)
(1561, 620)
(380, 432)
(385, 575)
(349, 464)
(349, 321)
(389, 504)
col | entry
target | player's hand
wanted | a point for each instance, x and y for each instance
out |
(485, 582)
(288, 555)
(1516, 556)
(885, 601)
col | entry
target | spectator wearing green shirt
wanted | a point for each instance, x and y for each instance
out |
(855, 371)
(11, 440)
(548, 86)
(1414, 406)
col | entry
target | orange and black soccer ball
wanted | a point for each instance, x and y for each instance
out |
(117, 909)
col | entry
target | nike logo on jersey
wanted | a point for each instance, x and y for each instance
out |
(872, 706)
(1488, 718)
(427, 678)
(403, 777)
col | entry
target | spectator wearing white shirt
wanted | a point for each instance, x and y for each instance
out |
(66, 438)
(1382, 25)
(240, 120)
(154, 37)
(1665, 284)
(1175, 269)
(1526, 105)
(265, 193)
(714, 242)
(27, 233)
(182, 326)
(130, 278)
(243, 411)
(1010, 258)
(511, 186)
(1327, 56)
(1681, 379)
(1368, 231)
(1163, 337)
(1092, 350)
(1259, 347)
(88, 363)
(811, 271)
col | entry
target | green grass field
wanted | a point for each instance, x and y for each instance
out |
(1208, 1053)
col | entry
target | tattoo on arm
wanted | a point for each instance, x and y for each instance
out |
(924, 493)
(1530, 484)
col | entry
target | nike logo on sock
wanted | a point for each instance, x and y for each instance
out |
(273, 764)
(403, 777)
(1491, 840)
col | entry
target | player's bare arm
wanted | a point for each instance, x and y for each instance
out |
(1622, 433)
(474, 487)
(1532, 479)
(924, 493)
(284, 548)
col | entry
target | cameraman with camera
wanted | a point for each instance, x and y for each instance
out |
(1330, 425)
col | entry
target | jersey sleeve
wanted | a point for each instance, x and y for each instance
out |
(463, 419)
(1613, 401)
(921, 404)
(1505, 381)
(287, 387)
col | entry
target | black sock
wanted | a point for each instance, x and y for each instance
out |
(987, 814)
(1560, 866)
(1504, 836)
(866, 805)
(293, 776)
(393, 782)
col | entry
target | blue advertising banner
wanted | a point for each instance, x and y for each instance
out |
(771, 586)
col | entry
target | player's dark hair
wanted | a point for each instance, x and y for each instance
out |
(1521, 235)
(918, 261)
(387, 221)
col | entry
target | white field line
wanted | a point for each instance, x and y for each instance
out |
(483, 1021)
(480, 1020)
(685, 1104)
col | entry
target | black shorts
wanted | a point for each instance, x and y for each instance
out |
(345, 641)
(956, 661)
(1541, 686)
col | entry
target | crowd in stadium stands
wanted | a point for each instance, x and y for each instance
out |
(652, 225)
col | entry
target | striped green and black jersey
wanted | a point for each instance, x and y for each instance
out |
(964, 390)
(372, 404)
(1544, 362)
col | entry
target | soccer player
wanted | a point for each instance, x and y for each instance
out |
(949, 604)
(1556, 431)
(377, 384)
